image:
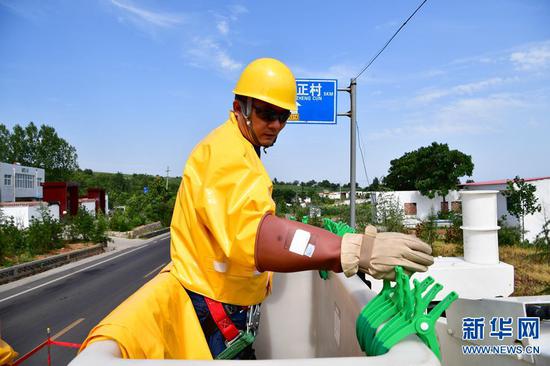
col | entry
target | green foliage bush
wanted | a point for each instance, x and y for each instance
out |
(12, 241)
(453, 234)
(508, 235)
(46, 233)
(427, 229)
(84, 226)
(119, 221)
(389, 213)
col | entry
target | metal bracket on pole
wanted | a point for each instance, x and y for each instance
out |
(352, 115)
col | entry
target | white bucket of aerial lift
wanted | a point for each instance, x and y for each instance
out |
(479, 226)
(306, 321)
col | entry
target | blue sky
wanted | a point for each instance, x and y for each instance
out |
(134, 85)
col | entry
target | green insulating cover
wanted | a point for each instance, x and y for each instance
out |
(243, 340)
(338, 228)
(401, 311)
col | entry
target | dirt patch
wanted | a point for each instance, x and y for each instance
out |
(66, 249)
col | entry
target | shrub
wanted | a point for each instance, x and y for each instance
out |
(453, 234)
(119, 221)
(543, 238)
(389, 213)
(508, 235)
(99, 231)
(44, 233)
(427, 229)
(82, 224)
(12, 241)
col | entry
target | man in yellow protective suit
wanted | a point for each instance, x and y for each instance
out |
(226, 239)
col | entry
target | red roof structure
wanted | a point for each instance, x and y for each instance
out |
(499, 181)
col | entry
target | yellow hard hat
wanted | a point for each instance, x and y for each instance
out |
(268, 80)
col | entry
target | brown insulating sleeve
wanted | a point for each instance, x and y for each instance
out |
(273, 240)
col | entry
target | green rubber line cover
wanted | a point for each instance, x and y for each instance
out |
(338, 228)
(397, 312)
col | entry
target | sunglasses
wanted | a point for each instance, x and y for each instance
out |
(271, 115)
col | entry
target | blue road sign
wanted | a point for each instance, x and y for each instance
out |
(316, 99)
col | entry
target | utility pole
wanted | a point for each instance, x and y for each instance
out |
(167, 171)
(353, 122)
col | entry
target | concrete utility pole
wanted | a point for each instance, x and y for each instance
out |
(352, 115)
(167, 171)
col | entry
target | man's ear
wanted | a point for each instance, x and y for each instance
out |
(237, 107)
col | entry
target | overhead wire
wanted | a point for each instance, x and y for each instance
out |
(362, 155)
(389, 41)
(368, 65)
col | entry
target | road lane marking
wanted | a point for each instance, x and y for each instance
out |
(155, 270)
(67, 328)
(70, 274)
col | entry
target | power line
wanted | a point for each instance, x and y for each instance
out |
(388, 42)
(362, 155)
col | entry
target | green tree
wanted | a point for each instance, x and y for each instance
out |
(39, 147)
(521, 200)
(431, 170)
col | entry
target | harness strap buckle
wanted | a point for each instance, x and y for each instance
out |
(253, 319)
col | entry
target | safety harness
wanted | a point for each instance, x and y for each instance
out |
(235, 340)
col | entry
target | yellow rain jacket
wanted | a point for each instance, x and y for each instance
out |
(158, 321)
(224, 193)
(7, 354)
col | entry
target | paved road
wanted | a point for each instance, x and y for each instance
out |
(74, 301)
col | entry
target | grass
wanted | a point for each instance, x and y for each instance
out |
(531, 265)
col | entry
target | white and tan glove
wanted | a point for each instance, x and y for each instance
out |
(378, 253)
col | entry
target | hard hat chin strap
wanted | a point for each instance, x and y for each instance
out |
(247, 113)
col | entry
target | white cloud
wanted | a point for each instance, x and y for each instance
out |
(463, 89)
(206, 52)
(468, 116)
(535, 57)
(149, 17)
(236, 11)
(223, 27)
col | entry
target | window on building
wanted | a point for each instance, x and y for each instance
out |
(456, 206)
(38, 181)
(410, 208)
(7, 179)
(445, 206)
(24, 180)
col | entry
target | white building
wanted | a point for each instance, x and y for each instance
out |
(24, 212)
(533, 223)
(20, 183)
(415, 205)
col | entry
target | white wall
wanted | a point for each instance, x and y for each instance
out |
(424, 205)
(89, 206)
(534, 223)
(22, 214)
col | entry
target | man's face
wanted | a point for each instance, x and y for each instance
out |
(267, 121)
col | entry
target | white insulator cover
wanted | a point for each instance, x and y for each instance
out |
(480, 229)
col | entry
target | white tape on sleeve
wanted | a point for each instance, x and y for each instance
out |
(299, 242)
